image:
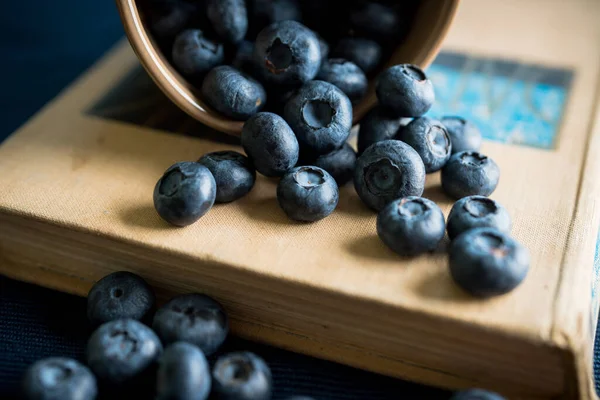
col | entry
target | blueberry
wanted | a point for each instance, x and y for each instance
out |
(229, 18)
(379, 124)
(122, 350)
(184, 193)
(386, 171)
(324, 47)
(365, 53)
(476, 394)
(287, 53)
(347, 76)
(233, 93)
(464, 135)
(377, 21)
(411, 225)
(194, 54)
(477, 212)
(233, 173)
(486, 262)
(266, 12)
(59, 378)
(120, 295)
(270, 143)
(183, 373)
(321, 116)
(243, 59)
(307, 194)
(193, 318)
(339, 163)
(168, 18)
(430, 139)
(241, 376)
(470, 173)
(405, 90)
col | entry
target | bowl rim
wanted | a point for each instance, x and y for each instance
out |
(186, 97)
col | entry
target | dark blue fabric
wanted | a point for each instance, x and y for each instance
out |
(44, 46)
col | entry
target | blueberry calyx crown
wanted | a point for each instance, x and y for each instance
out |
(279, 57)
(480, 207)
(309, 177)
(381, 177)
(59, 373)
(318, 113)
(438, 140)
(237, 370)
(192, 313)
(412, 207)
(473, 158)
(413, 72)
(492, 243)
(127, 344)
(171, 182)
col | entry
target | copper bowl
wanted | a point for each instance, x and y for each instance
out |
(432, 21)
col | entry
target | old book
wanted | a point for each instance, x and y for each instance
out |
(76, 204)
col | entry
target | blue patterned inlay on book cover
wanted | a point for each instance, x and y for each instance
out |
(511, 102)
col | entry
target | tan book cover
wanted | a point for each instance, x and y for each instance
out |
(76, 204)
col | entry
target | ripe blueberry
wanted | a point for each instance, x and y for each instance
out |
(486, 262)
(184, 193)
(307, 194)
(386, 171)
(59, 378)
(169, 18)
(379, 124)
(320, 115)
(411, 225)
(229, 18)
(122, 350)
(233, 93)
(241, 376)
(339, 163)
(234, 174)
(430, 139)
(194, 54)
(470, 173)
(193, 318)
(476, 394)
(243, 59)
(405, 90)
(346, 75)
(120, 295)
(265, 12)
(183, 373)
(270, 143)
(477, 212)
(464, 135)
(365, 53)
(287, 53)
(377, 21)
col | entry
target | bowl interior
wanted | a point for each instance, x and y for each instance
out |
(432, 21)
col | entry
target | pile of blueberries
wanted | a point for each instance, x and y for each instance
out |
(138, 352)
(303, 143)
(301, 140)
